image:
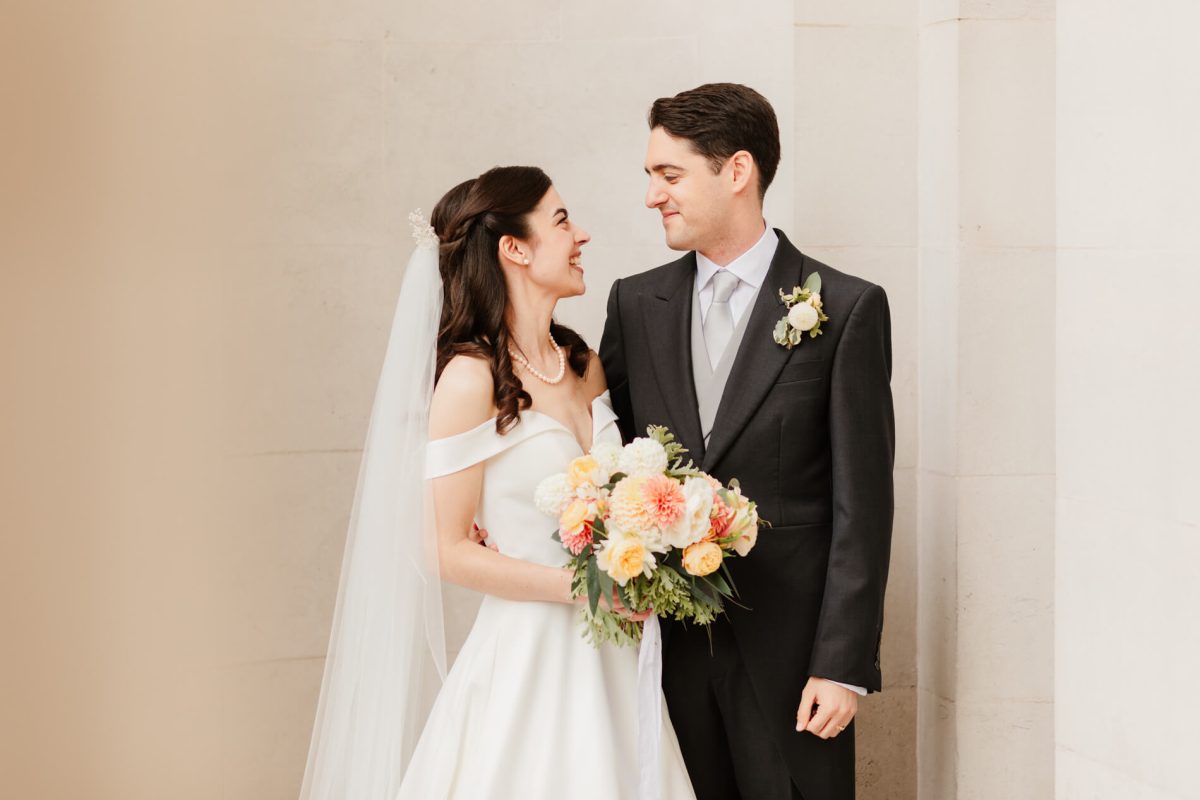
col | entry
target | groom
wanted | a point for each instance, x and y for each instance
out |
(765, 710)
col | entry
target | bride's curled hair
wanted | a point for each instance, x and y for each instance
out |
(469, 221)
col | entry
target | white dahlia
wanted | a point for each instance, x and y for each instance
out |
(553, 494)
(608, 456)
(643, 457)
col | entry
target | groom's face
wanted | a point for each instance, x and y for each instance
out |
(692, 199)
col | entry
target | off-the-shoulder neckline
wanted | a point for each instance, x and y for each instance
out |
(491, 421)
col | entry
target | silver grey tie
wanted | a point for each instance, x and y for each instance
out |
(718, 323)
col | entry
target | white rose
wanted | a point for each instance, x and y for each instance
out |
(608, 456)
(694, 524)
(643, 457)
(553, 494)
(802, 317)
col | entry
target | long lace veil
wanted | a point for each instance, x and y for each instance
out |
(387, 652)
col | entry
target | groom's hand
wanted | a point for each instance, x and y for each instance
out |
(825, 708)
(617, 607)
(480, 535)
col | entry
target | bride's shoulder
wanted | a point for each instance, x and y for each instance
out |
(462, 398)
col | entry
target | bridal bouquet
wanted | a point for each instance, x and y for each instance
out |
(639, 522)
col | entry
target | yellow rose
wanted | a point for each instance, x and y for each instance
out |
(582, 470)
(574, 515)
(702, 558)
(624, 558)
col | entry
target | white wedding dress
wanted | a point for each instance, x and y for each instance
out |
(530, 710)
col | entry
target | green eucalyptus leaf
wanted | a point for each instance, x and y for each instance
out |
(606, 583)
(728, 576)
(593, 586)
(719, 584)
(813, 282)
(623, 593)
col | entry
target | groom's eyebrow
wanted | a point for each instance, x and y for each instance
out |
(663, 168)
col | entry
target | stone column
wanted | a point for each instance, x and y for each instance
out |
(986, 471)
(1127, 544)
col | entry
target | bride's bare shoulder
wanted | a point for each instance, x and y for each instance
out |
(462, 398)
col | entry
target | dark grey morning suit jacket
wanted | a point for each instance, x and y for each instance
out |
(810, 434)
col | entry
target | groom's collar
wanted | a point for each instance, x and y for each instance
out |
(682, 273)
(750, 267)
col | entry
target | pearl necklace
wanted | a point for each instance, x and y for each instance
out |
(562, 364)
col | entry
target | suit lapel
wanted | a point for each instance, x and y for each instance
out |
(759, 359)
(666, 314)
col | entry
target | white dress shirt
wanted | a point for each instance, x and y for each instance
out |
(751, 268)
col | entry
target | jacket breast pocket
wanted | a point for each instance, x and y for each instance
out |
(801, 371)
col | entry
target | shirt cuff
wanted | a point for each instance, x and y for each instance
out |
(859, 690)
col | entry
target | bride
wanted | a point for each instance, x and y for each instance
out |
(482, 396)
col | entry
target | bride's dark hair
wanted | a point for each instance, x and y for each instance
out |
(469, 221)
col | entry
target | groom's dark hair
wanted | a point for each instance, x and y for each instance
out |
(720, 119)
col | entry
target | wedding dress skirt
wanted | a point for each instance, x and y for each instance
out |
(530, 710)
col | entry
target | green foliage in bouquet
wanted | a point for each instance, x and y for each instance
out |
(675, 453)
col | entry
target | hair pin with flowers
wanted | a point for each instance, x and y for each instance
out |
(805, 313)
(422, 231)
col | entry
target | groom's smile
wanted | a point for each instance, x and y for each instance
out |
(679, 177)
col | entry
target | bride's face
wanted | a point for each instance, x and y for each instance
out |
(555, 244)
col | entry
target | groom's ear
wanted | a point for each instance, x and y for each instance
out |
(742, 171)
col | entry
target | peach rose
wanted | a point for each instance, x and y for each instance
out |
(584, 470)
(702, 558)
(624, 558)
(574, 515)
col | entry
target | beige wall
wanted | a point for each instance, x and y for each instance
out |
(853, 161)
(986, 434)
(192, 369)
(1128, 435)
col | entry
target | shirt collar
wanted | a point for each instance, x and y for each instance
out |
(751, 266)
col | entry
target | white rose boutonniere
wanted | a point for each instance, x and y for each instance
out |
(805, 313)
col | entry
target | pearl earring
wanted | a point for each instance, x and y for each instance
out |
(525, 262)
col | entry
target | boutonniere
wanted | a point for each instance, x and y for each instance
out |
(804, 313)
